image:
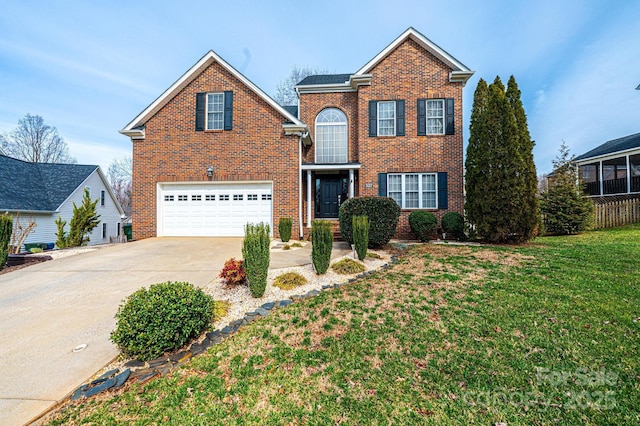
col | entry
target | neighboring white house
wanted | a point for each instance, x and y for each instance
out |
(42, 191)
(612, 169)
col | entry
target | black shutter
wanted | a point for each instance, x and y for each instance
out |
(228, 110)
(443, 196)
(373, 118)
(382, 184)
(400, 118)
(200, 107)
(422, 117)
(448, 117)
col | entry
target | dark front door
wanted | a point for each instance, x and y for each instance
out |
(328, 194)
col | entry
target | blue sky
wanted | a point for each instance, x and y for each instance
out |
(90, 67)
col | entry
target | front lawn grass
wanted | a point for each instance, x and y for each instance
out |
(546, 333)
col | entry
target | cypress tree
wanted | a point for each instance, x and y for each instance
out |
(500, 203)
(476, 151)
(529, 217)
(84, 220)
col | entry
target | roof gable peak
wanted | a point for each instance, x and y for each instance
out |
(459, 71)
(209, 58)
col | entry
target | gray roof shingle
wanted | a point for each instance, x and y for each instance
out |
(291, 109)
(615, 145)
(324, 79)
(38, 186)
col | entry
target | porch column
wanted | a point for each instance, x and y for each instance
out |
(308, 198)
(601, 180)
(628, 175)
(351, 184)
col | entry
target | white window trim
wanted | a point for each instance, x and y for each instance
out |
(206, 110)
(395, 117)
(443, 116)
(420, 190)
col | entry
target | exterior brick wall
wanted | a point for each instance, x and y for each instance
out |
(408, 73)
(256, 149)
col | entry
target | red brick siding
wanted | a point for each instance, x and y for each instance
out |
(410, 73)
(256, 149)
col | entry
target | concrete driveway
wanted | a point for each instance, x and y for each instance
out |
(47, 310)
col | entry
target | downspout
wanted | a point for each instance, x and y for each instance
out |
(299, 174)
(300, 187)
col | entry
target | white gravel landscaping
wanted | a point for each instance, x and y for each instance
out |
(241, 301)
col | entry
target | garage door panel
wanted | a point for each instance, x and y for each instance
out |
(220, 209)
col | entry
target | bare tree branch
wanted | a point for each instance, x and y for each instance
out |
(285, 93)
(35, 141)
(119, 175)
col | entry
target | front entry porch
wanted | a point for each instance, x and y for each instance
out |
(327, 187)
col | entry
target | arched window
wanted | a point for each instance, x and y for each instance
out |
(331, 137)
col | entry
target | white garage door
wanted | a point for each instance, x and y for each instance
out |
(213, 209)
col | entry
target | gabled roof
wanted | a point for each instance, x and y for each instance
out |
(38, 186)
(135, 127)
(324, 79)
(459, 71)
(622, 144)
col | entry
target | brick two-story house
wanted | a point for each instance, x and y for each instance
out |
(214, 151)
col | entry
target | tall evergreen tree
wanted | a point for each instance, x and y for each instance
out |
(476, 151)
(495, 168)
(529, 218)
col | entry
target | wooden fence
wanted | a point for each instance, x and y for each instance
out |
(617, 213)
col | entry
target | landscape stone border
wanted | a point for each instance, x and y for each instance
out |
(142, 372)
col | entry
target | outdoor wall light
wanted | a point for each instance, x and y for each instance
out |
(210, 172)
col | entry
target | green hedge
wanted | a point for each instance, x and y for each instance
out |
(6, 228)
(284, 228)
(423, 224)
(321, 245)
(361, 235)
(255, 250)
(383, 214)
(163, 318)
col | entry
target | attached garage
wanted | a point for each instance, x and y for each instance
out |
(206, 209)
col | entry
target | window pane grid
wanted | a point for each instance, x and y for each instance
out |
(215, 110)
(412, 191)
(331, 137)
(386, 118)
(435, 117)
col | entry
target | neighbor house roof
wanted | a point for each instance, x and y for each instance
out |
(135, 128)
(624, 143)
(324, 79)
(38, 186)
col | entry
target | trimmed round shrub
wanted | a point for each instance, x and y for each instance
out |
(423, 224)
(453, 224)
(383, 214)
(163, 318)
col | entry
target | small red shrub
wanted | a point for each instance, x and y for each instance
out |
(233, 272)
